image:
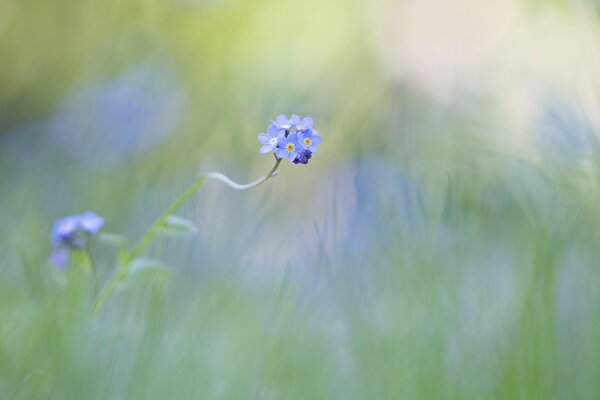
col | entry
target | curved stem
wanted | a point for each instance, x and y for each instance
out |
(151, 232)
(220, 177)
(145, 240)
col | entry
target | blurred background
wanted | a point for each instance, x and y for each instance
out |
(443, 243)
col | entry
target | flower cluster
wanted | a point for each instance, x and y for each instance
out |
(71, 233)
(292, 138)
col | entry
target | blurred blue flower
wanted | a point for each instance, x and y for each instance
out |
(60, 257)
(288, 147)
(269, 139)
(131, 113)
(292, 138)
(90, 222)
(64, 232)
(67, 234)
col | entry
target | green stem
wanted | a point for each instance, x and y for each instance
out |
(151, 232)
(88, 253)
(109, 288)
(220, 177)
(145, 240)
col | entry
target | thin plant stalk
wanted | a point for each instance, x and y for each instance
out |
(145, 240)
(88, 253)
(220, 177)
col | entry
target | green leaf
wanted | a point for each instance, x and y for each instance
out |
(147, 268)
(177, 225)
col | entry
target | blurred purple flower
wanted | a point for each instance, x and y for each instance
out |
(303, 157)
(60, 257)
(131, 113)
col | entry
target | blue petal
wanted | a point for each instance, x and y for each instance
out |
(273, 130)
(307, 122)
(266, 148)
(316, 139)
(313, 149)
(64, 229)
(91, 222)
(301, 136)
(280, 153)
(292, 155)
(263, 138)
(295, 120)
(281, 119)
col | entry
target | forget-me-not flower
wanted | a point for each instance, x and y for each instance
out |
(302, 124)
(64, 232)
(309, 140)
(70, 233)
(293, 138)
(288, 147)
(283, 122)
(269, 139)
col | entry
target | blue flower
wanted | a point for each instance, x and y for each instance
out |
(293, 138)
(288, 147)
(90, 222)
(309, 140)
(69, 233)
(269, 139)
(300, 125)
(283, 122)
(65, 232)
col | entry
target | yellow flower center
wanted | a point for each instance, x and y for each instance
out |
(290, 147)
(307, 141)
